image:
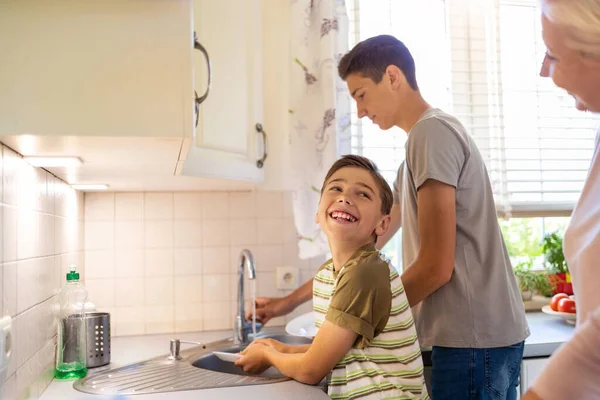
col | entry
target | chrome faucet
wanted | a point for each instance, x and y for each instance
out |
(242, 327)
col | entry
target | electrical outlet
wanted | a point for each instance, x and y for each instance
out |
(287, 278)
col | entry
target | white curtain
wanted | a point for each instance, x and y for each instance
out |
(319, 110)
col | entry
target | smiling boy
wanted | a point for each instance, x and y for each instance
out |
(366, 338)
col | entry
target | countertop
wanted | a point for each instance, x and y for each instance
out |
(547, 333)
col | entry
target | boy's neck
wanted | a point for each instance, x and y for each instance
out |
(342, 252)
(413, 107)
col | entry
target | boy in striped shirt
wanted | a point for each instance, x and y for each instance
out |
(367, 338)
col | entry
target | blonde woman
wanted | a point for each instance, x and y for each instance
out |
(571, 31)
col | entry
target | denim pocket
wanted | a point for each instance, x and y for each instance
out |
(502, 369)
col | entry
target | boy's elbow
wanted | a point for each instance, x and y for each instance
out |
(443, 273)
(310, 376)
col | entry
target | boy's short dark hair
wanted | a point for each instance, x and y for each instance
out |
(372, 56)
(353, 160)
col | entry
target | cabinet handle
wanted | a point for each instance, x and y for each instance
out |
(261, 162)
(200, 99)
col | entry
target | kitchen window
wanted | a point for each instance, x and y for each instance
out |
(479, 60)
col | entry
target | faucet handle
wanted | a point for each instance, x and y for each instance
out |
(175, 345)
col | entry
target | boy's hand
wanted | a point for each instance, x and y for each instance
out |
(254, 360)
(275, 344)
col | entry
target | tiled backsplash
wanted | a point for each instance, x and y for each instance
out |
(163, 262)
(42, 233)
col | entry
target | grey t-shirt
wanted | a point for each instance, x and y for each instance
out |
(481, 306)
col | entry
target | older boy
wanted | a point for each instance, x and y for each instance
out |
(367, 338)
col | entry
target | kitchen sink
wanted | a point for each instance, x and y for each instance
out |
(213, 363)
(194, 368)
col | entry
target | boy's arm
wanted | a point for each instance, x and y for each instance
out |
(437, 231)
(329, 346)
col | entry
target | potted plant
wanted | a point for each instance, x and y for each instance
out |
(558, 271)
(532, 282)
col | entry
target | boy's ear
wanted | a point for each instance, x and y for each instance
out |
(317, 217)
(383, 225)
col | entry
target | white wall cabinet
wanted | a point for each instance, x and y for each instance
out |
(227, 143)
(113, 82)
(96, 68)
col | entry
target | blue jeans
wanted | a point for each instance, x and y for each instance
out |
(476, 374)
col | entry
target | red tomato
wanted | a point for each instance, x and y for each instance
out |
(567, 305)
(555, 299)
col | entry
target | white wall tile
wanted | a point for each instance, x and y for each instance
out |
(243, 231)
(181, 276)
(130, 321)
(215, 260)
(129, 234)
(46, 235)
(48, 198)
(270, 230)
(99, 206)
(290, 234)
(188, 290)
(290, 255)
(99, 264)
(158, 262)
(288, 206)
(158, 206)
(129, 292)
(188, 262)
(215, 232)
(215, 205)
(269, 205)
(129, 206)
(99, 235)
(28, 227)
(129, 263)
(187, 233)
(12, 163)
(101, 292)
(159, 234)
(9, 232)
(189, 318)
(27, 284)
(242, 204)
(159, 319)
(9, 389)
(187, 205)
(9, 284)
(159, 291)
(215, 288)
(217, 316)
(266, 284)
(267, 257)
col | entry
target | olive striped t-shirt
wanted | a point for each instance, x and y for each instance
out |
(367, 297)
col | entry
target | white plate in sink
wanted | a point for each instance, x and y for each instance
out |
(230, 357)
(303, 325)
(271, 372)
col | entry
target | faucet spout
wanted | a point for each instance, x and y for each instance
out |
(242, 327)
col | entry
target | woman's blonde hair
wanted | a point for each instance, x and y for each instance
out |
(581, 18)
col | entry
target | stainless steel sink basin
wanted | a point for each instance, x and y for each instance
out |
(214, 363)
(197, 368)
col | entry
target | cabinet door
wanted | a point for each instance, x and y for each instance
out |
(227, 144)
(530, 369)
